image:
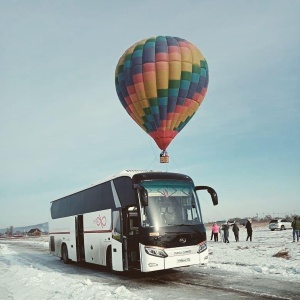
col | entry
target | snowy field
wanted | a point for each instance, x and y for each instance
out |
(35, 274)
(258, 256)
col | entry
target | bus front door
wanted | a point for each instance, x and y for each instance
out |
(117, 250)
(132, 233)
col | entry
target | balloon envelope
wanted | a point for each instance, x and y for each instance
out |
(161, 82)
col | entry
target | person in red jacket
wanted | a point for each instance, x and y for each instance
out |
(215, 231)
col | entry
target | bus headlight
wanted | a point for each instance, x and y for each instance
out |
(202, 247)
(156, 252)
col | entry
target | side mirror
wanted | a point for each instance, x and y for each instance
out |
(144, 196)
(211, 191)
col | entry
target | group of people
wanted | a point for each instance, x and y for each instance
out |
(296, 228)
(216, 230)
(223, 231)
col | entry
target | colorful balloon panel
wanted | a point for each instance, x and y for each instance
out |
(161, 82)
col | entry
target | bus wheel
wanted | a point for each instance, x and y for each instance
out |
(65, 256)
(282, 227)
(109, 259)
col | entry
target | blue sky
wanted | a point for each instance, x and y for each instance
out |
(63, 127)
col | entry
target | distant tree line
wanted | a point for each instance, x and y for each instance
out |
(266, 217)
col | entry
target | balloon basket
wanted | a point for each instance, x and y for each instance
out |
(164, 157)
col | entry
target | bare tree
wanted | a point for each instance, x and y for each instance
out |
(10, 230)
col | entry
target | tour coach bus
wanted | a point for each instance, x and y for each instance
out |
(140, 220)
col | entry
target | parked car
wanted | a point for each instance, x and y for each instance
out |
(221, 222)
(281, 224)
(244, 221)
(239, 221)
(231, 221)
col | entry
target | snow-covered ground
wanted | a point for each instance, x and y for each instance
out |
(20, 280)
(37, 275)
(258, 256)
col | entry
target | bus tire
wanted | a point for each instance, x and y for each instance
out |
(109, 259)
(64, 254)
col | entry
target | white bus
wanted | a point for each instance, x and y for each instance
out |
(147, 221)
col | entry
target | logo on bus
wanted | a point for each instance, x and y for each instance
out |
(100, 221)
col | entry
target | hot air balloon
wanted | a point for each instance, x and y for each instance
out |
(161, 82)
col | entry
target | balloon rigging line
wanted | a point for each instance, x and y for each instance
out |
(152, 147)
(175, 164)
(151, 164)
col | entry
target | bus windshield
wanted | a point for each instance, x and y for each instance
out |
(170, 202)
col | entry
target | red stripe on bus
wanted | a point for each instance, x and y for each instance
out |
(90, 231)
(97, 231)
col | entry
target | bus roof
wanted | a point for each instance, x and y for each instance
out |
(128, 173)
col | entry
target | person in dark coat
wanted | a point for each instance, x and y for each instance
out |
(236, 230)
(297, 228)
(249, 230)
(226, 232)
(293, 224)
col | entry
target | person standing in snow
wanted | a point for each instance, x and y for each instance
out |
(293, 224)
(215, 231)
(221, 233)
(236, 230)
(226, 232)
(249, 230)
(297, 228)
